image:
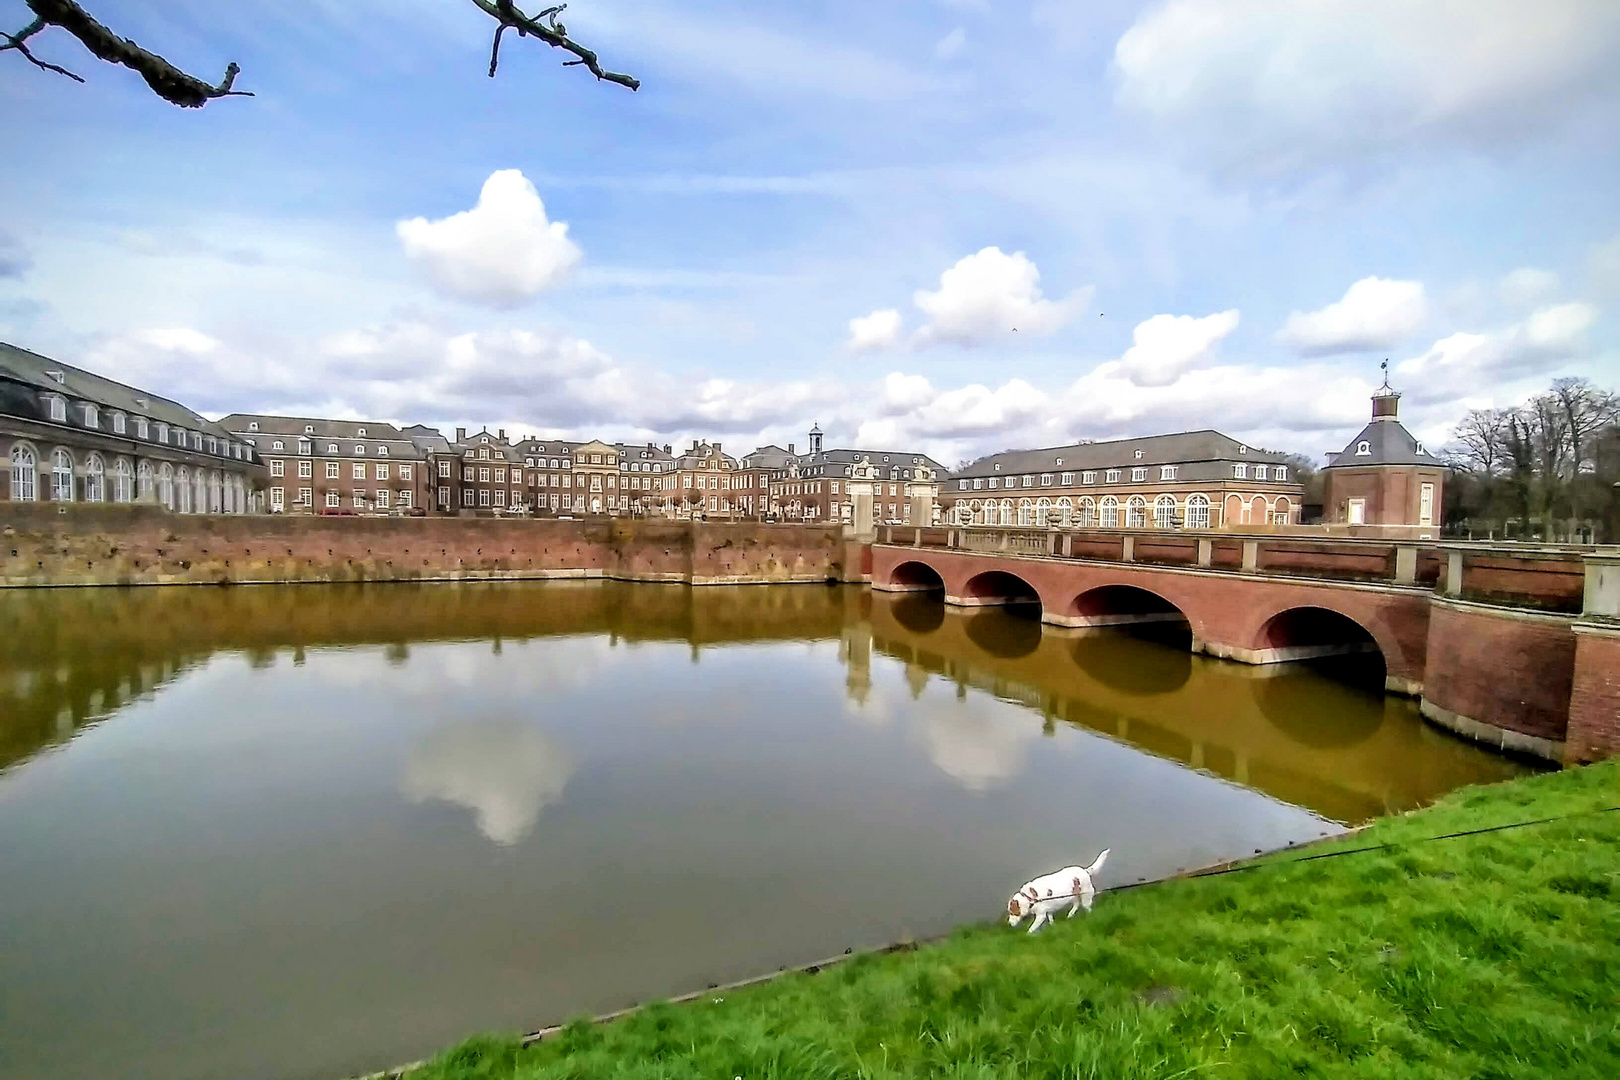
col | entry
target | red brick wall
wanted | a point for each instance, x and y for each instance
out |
(107, 545)
(1556, 583)
(1509, 669)
(1594, 705)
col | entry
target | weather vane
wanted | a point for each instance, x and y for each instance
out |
(1385, 366)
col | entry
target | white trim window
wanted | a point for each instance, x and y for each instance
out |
(61, 476)
(382, 498)
(278, 500)
(92, 416)
(306, 470)
(1240, 470)
(140, 427)
(144, 479)
(1280, 472)
(123, 481)
(358, 471)
(95, 485)
(334, 501)
(166, 486)
(1138, 475)
(1164, 512)
(332, 469)
(405, 499)
(1261, 472)
(58, 410)
(118, 423)
(1136, 513)
(278, 467)
(1088, 476)
(24, 474)
(1167, 472)
(1197, 512)
(1086, 517)
(1111, 476)
(1110, 513)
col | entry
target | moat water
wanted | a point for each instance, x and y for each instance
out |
(289, 832)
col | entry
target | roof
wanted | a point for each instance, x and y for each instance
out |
(323, 429)
(1388, 443)
(34, 370)
(767, 457)
(1175, 449)
(879, 457)
(343, 437)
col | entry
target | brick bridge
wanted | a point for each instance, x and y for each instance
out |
(1508, 644)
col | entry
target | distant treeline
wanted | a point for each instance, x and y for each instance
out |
(1545, 470)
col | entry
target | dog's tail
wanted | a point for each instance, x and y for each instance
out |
(1092, 870)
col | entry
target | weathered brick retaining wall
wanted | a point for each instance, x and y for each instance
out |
(144, 545)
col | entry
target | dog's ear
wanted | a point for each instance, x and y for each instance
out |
(1012, 907)
(1077, 885)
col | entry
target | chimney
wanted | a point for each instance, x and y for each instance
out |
(668, 449)
(500, 433)
(461, 434)
(790, 448)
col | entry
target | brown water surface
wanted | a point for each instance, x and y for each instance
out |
(272, 832)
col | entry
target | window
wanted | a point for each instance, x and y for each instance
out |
(361, 432)
(333, 500)
(1261, 472)
(500, 476)
(278, 467)
(1363, 448)
(278, 500)
(331, 448)
(1138, 475)
(1087, 516)
(94, 491)
(1426, 505)
(483, 476)
(306, 496)
(1110, 513)
(1280, 472)
(163, 433)
(467, 496)
(483, 453)
(61, 476)
(253, 425)
(303, 447)
(118, 423)
(1136, 513)
(1139, 455)
(92, 417)
(1167, 472)
(1111, 476)
(359, 500)
(382, 451)
(405, 499)
(306, 470)
(1164, 512)
(140, 428)
(359, 448)
(977, 484)
(444, 470)
(444, 497)
(483, 496)
(1197, 512)
(382, 472)
(500, 496)
(382, 498)
(332, 468)
(992, 483)
(309, 429)
(1046, 479)
(1357, 511)
(277, 445)
(144, 478)
(1240, 471)
(961, 485)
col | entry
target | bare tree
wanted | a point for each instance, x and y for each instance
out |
(176, 86)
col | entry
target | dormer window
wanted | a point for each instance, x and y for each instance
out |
(359, 448)
(277, 445)
(309, 429)
(382, 451)
(92, 416)
(1420, 450)
(484, 453)
(1243, 449)
(1281, 472)
(485, 439)
(1363, 448)
(253, 425)
(361, 433)
(1060, 461)
(58, 410)
(140, 427)
(1240, 471)
(303, 447)
(58, 376)
(331, 448)
(1139, 455)
(163, 434)
(118, 423)
(998, 466)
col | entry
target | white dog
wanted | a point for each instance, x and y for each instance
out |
(1046, 896)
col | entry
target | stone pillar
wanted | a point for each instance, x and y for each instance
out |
(1251, 555)
(923, 494)
(1206, 552)
(1405, 565)
(862, 489)
(1594, 700)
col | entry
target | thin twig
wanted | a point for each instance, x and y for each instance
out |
(15, 41)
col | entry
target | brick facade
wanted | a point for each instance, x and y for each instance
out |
(1594, 707)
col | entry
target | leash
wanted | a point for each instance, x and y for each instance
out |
(1246, 867)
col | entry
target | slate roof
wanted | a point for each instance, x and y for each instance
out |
(1388, 443)
(22, 366)
(1180, 448)
(767, 457)
(335, 437)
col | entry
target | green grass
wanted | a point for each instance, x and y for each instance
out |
(1486, 956)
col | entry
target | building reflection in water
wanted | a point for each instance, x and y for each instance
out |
(75, 657)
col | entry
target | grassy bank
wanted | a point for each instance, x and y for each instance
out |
(1495, 955)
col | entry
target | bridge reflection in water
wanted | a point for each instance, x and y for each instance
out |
(1320, 733)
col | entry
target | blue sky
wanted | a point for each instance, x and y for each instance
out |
(958, 225)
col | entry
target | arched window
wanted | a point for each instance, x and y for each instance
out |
(216, 501)
(1282, 511)
(61, 476)
(1026, 512)
(24, 474)
(1043, 512)
(143, 482)
(166, 486)
(1110, 512)
(1007, 517)
(182, 481)
(123, 481)
(199, 491)
(1065, 507)
(1197, 512)
(1136, 513)
(1164, 512)
(1087, 516)
(94, 486)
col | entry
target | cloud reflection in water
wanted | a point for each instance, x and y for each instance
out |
(506, 772)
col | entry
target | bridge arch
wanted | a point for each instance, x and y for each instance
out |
(915, 576)
(1318, 633)
(1129, 607)
(999, 588)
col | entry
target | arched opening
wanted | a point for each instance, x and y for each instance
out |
(1137, 612)
(916, 577)
(918, 612)
(1121, 661)
(1234, 510)
(1257, 511)
(997, 588)
(1320, 713)
(1334, 644)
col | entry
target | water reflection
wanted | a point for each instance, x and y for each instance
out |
(504, 771)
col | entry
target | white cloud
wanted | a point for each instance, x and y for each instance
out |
(991, 295)
(505, 773)
(1165, 347)
(502, 252)
(181, 339)
(879, 330)
(1375, 313)
(1603, 263)
(951, 44)
(1527, 285)
(1462, 362)
(1286, 81)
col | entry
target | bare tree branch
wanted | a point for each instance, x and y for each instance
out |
(544, 25)
(167, 81)
(15, 41)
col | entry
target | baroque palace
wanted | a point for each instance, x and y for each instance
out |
(73, 436)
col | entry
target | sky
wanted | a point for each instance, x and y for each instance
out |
(955, 226)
